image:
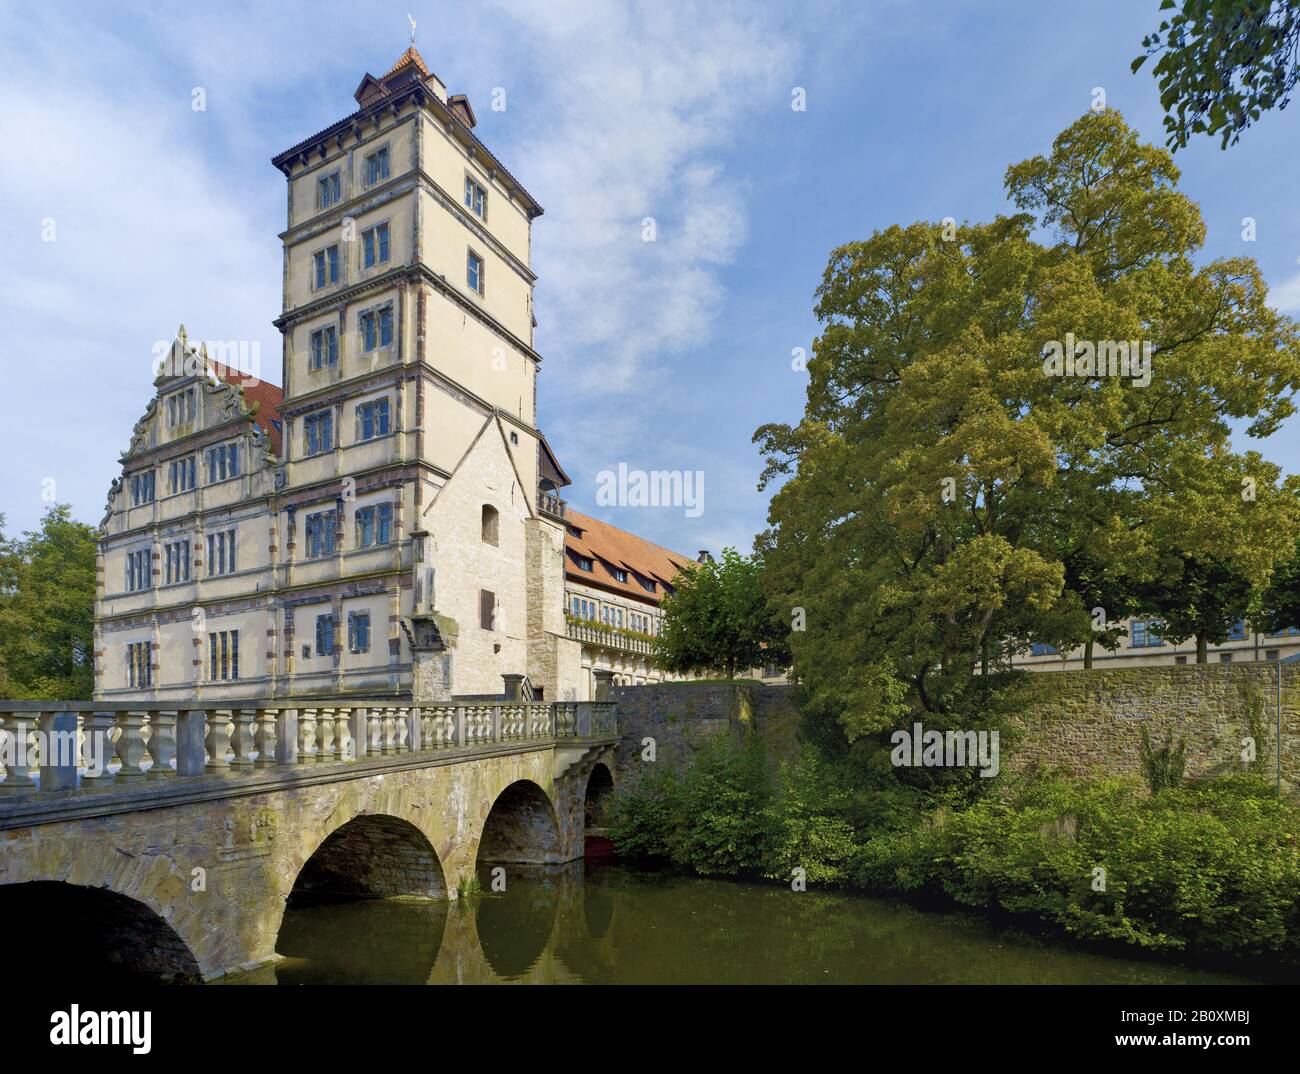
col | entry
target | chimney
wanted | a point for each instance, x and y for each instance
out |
(705, 556)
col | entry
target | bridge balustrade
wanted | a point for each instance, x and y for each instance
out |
(52, 746)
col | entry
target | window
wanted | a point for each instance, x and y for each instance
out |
(223, 656)
(324, 348)
(327, 266)
(377, 166)
(327, 190)
(359, 632)
(374, 524)
(646, 584)
(620, 575)
(325, 635)
(1146, 633)
(176, 556)
(372, 419)
(139, 664)
(491, 528)
(1039, 648)
(487, 609)
(376, 328)
(318, 433)
(474, 272)
(142, 488)
(583, 608)
(476, 198)
(1271, 654)
(1238, 631)
(222, 462)
(583, 562)
(374, 246)
(1180, 660)
(320, 534)
(1225, 658)
(138, 570)
(180, 408)
(181, 474)
(221, 553)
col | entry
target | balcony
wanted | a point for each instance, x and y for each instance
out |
(592, 634)
(550, 504)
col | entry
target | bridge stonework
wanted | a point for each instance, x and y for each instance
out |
(220, 870)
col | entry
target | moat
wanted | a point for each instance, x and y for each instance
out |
(612, 925)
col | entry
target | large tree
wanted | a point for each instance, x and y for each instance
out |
(47, 600)
(941, 480)
(719, 618)
(1222, 64)
(1279, 605)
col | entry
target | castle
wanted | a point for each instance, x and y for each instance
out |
(389, 521)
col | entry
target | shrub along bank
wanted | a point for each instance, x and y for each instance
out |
(1209, 869)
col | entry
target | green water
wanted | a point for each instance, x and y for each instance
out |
(611, 925)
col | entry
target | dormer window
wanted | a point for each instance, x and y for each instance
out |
(620, 575)
(377, 166)
(584, 563)
(647, 584)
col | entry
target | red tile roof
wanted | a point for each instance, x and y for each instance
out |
(259, 396)
(608, 546)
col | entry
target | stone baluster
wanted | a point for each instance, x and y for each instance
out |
(390, 731)
(344, 745)
(97, 748)
(162, 744)
(414, 732)
(130, 745)
(462, 725)
(190, 736)
(217, 740)
(374, 731)
(307, 736)
(359, 732)
(401, 730)
(429, 739)
(264, 737)
(15, 753)
(286, 737)
(325, 736)
(242, 742)
(59, 764)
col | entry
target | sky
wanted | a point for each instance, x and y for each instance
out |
(124, 211)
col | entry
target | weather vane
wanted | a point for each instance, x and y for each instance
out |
(412, 22)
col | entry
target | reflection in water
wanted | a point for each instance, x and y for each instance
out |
(612, 925)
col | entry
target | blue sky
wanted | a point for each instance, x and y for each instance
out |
(663, 355)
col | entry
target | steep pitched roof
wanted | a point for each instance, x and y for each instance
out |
(260, 396)
(608, 546)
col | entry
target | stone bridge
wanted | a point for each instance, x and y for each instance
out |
(170, 841)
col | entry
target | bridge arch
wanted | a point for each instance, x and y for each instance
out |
(107, 936)
(370, 856)
(521, 827)
(598, 796)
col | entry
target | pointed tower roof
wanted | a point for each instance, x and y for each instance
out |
(406, 59)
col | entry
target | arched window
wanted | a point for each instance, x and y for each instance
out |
(491, 524)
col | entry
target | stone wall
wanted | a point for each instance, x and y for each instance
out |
(1086, 722)
(681, 715)
(1089, 721)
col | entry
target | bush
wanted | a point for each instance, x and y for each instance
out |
(1163, 768)
(808, 829)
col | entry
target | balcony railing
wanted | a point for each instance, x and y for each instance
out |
(53, 746)
(550, 504)
(591, 634)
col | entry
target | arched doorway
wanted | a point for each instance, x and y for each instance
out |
(96, 935)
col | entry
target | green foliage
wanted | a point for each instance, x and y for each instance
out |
(47, 600)
(1215, 867)
(808, 824)
(719, 618)
(1279, 604)
(1162, 767)
(948, 502)
(1202, 599)
(1222, 64)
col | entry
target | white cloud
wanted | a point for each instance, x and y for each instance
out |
(1286, 295)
